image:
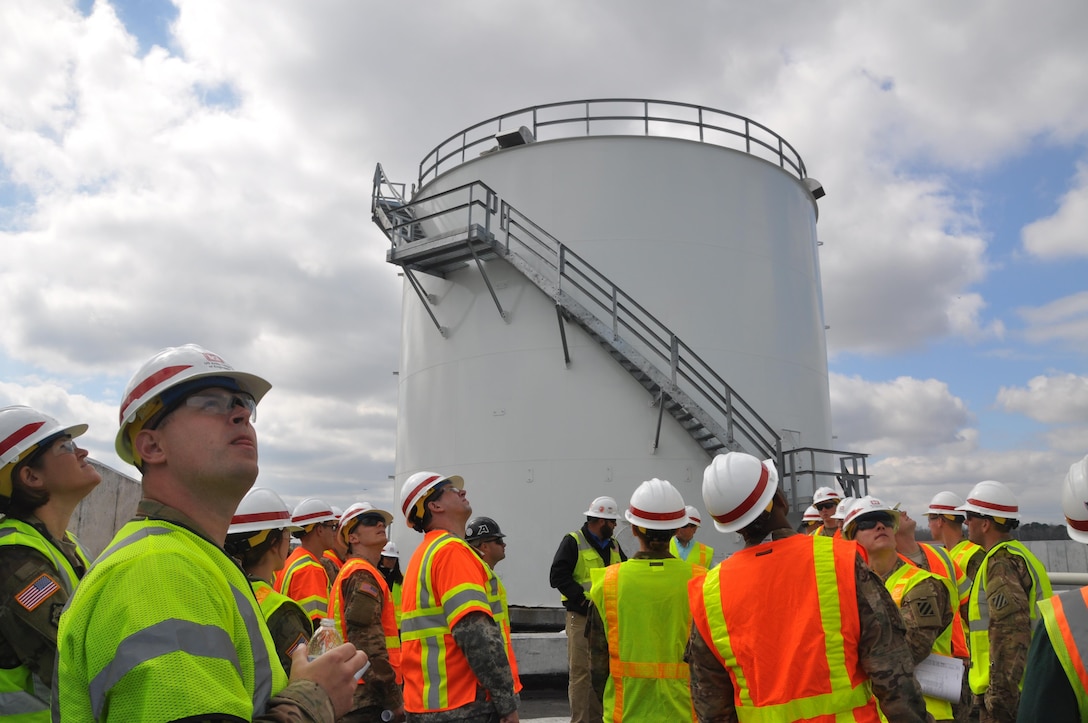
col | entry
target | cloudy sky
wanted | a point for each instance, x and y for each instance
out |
(200, 171)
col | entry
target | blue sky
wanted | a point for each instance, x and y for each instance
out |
(200, 171)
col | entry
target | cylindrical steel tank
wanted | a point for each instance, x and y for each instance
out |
(714, 237)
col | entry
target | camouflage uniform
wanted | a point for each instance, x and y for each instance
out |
(926, 610)
(1008, 582)
(363, 620)
(882, 653)
(29, 637)
(289, 626)
(480, 639)
(332, 567)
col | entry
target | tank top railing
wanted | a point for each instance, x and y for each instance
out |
(616, 116)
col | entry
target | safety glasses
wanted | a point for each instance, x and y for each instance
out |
(826, 506)
(216, 402)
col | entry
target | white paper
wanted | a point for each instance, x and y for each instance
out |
(940, 677)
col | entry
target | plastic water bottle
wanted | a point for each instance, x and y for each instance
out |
(325, 638)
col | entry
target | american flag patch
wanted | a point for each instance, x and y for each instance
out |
(37, 592)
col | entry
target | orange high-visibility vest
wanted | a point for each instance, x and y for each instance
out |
(331, 556)
(1066, 619)
(790, 599)
(338, 603)
(445, 581)
(304, 580)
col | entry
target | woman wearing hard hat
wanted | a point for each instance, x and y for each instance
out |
(43, 476)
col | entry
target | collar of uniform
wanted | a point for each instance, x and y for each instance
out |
(651, 555)
(597, 542)
(158, 511)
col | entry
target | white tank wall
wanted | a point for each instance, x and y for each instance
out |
(720, 246)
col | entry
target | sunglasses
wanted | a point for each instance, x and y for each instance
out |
(371, 520)
(826, 506)
(871, 521)
(497, 541)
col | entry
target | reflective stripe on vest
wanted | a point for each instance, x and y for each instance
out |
(23, 695)
(942, 563)
(699, 554)
(496, 595)
(962, 553)
(978, 611)
(337, 606)
(1066, 619)
(589, 558)
(436, 674)
(847, 693)
(899, 583)
(250, 657)
(663, 677)
(314, 598)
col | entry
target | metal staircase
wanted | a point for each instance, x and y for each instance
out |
(471, 224)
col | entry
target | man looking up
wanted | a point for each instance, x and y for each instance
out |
(165, 626)
(826, 501)
(303, 577)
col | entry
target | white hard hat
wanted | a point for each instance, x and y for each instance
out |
(1075, 500)
(657, 505)
(337, 511)
(261, 509)
(22, 429)
(862, 507)
(737, 488)
(991, 499)
(843, 507)
(825, 494)
(945, 503)
(604, 508)
(358, 510)
(176, 369)
(416, 488)
(693, 516)
(390, 550)
(811, 514)
(312, 511)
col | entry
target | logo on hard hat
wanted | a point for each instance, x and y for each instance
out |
(213, 358)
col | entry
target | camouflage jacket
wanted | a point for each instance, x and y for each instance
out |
(363, 602)
(1008, 582)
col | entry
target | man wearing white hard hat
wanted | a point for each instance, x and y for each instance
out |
(165, 626)
(333, 558)
(810, 520)
(684, 545)
(1004, 598)
(259, 537)
(303, 578)
(389, 567)
(800, 623)
(590, 547)
(927, 601)
(946, 525)
(455, 662)
(361, 607)
(641, 618)
(826, 501)
(1055, 681)
(44, 474)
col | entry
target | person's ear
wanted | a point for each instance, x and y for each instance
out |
(148, 446)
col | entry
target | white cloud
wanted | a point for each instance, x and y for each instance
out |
(1054, 399)
(1062, 320)
(898, 416)
(1065, 233)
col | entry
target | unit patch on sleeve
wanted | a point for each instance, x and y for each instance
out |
(37, 592)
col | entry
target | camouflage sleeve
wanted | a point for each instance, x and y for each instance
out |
(481, 641)
(31, 599)
(711, 684)
(598, 651)
(363, 620)
(289, 627)
(883, 651)
(302, 701)
(926, 610)
(1007, 585)
(330, 568)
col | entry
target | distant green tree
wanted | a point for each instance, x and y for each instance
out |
(1041, 531)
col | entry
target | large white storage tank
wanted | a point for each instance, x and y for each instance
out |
(705, 220)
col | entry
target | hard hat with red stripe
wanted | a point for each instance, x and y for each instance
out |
(843, 508)
(391, 550)
(356, 511)
(1075, 500)
(312, 511)
(992, 499)
(261, 509)
(657, 505)
(866, 505)
(175, 372)
(738, 488)
(945, 503)
(811, 514)
(22, 431)
(415, 490)
(693, 516)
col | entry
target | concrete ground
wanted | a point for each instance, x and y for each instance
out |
(544, 699)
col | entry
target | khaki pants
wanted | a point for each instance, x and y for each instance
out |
(585, 706)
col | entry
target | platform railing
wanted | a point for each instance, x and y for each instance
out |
(616, 116)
